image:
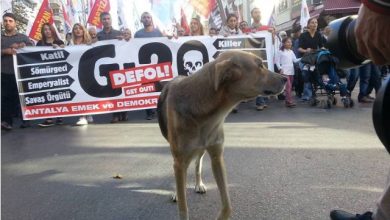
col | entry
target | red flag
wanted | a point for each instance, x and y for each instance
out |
(183, 22)
(99, 7)
(45, 15)
(203, 7)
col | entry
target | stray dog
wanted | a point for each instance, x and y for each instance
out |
(191, 111)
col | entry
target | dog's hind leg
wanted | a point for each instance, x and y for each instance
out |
(199, 186)
(218, 166)
(180, 166)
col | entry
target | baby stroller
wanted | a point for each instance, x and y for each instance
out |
(325, 78)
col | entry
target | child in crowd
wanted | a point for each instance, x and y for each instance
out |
(284, 60)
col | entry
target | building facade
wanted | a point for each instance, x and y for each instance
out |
(288, 12)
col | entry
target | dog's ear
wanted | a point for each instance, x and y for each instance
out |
(227, 70)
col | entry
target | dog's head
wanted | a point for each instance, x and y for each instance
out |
(244, 76)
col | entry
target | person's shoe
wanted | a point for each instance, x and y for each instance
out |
(59, 121)
(370, 97)
(343, 215)
(89, 118)
(123, 116)
(115, 119)
(25, 124)
(82, 121)
(150, 117)
(5, 126)
(46, 123)
(365, 99)
(291, 105)
(260, 107)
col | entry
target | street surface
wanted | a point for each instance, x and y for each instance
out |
(282, 164)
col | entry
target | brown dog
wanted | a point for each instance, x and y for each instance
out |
(191, 112)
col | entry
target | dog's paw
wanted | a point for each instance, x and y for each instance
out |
(201, 188)
(173, 197)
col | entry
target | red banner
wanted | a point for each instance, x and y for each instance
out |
(45, 15)
(141, 75)
(99, 7)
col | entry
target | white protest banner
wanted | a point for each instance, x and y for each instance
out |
(115, 76)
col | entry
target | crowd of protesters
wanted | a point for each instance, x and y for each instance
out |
(286, 51)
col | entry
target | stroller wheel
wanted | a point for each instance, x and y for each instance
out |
(328, 104)
(313, 102)
(346, 102)
(351, 103)
(334, 101)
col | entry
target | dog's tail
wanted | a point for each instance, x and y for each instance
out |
(161, 110)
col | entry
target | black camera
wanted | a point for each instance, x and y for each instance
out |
(342, 44)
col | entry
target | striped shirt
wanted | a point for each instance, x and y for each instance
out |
(7, 62)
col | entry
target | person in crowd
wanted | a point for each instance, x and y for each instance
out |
(309, 41)
(373, 16)
(196, 27)
(231, 27)
(296, 33)
(326, 32)
(213, 31)
(68, 38)
(180, 30)
(126, 33)
(80, 36)
(285, 59)
(50, 38)
(11, 40)
(244, 27)
(93, 33)
(370, 78)
(298, 79)
(148, 31)
(109, 33)
(261, 102)
(256, 21)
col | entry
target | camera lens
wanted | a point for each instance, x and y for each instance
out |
(342, 43)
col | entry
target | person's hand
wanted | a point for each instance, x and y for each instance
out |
(308, 50)
(372, 33)
(55, 45)
(9, 51)
(21, 45)
(281, 71)
(14, 46)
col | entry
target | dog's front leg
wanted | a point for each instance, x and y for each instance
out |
(199, 186)
(218, 166)
(180, 168)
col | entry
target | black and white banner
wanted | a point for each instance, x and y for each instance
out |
(114, 76)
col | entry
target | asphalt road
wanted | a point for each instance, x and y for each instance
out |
(282, 164)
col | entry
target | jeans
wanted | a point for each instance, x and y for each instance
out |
(352, 79)
(307, 87)
(369, 79)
